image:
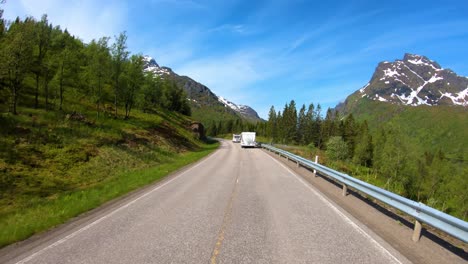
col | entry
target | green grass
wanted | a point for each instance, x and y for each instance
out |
(53, 167)
(42, 214)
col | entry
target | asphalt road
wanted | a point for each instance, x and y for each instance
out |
(236, 206)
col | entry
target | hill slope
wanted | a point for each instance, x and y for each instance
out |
(426, 101)
(55, 165)
(206, 106)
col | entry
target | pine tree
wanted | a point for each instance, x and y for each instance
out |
(272, 125)
(301, 126)
(290, 122)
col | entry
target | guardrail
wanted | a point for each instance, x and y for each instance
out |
(421, 212)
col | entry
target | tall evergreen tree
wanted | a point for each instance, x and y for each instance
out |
(302, 126)
(272, 124)
(289, 123)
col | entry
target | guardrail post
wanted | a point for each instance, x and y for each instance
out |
(417, 231)
(316, 161)
(345, 190)
(297, 164)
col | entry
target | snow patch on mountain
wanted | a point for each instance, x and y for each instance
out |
(415, 81)
(243, 110)
(152, 66)
(461, 98)
(229, 104)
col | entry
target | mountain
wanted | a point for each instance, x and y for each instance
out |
(426, 102)
(416, 80)
(206, 106)
(244, 110)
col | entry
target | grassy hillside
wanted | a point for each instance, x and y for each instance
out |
(212, 113)
(55, 165)
(430, 128)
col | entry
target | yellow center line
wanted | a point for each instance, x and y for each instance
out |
(226, 221)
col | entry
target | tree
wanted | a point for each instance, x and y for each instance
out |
(17, 56)
(68, 50)
(43, 33)
(301, 126)
(150, 93)
(328, 128)
(337, 149)
(392, 160)
(310, 131)
(289, 123)
(272, 125)
(97, 68)
(134, 80)
(119, 57)
(364, 149)
(349, 133)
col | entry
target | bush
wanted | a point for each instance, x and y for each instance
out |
(337, 149)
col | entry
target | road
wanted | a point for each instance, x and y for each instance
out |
(236, 206)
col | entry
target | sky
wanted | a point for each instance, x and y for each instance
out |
(267, 53)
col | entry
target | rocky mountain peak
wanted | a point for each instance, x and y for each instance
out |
(416, 80)
(420, 60)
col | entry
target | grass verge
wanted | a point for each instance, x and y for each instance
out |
(54, 211)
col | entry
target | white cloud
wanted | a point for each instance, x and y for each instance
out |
(237, 28)
(85, 19)
(227, 76)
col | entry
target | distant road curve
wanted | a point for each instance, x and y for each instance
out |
(236, 206)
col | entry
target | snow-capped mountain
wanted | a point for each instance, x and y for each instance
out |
(414, 81)
(244, 110)
(152, 66)
(198, 94)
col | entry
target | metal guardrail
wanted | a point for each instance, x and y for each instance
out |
(421, 212)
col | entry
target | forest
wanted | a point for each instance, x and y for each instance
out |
(41, 64)
(384, 156)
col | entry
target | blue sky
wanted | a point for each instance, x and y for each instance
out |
(264, 53)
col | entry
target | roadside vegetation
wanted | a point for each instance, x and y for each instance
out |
(81, 124)
(417, 152)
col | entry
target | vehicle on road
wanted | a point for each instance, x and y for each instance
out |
(236, 138)
(248, 139)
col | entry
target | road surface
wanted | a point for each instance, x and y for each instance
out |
(236, 206)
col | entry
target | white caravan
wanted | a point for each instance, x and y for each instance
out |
(248, 139)
(236, 138)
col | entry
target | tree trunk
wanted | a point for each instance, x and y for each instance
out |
(115, 105)
(15, 99)
(46, 89)
(99, 95)
(115, 98)
(61, 87)
(36, 95)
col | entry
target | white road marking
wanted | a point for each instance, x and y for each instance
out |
(346, 218)
(70, 236)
